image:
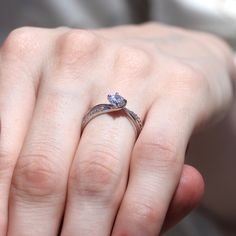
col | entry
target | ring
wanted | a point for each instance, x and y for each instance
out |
(116, 103)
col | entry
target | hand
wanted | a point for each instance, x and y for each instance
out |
(175, 80)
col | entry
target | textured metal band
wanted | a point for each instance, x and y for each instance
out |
(108, 108)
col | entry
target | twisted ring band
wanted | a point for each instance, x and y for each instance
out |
(117, 103)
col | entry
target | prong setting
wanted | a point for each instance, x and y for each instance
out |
(116, 103)
(117, 100)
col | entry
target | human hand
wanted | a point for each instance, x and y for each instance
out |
(175, 80)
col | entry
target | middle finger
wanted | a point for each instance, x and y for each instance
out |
(40, 179)
(99, 173)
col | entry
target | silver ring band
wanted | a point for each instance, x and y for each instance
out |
(117, 103)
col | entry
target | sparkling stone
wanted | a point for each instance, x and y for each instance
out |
(117, 100)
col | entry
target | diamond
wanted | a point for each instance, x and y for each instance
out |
(117, 100)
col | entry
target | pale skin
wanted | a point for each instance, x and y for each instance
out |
(104, 179)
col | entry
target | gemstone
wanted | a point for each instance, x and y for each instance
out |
(117, 100)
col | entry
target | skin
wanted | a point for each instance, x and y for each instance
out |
(104, 180)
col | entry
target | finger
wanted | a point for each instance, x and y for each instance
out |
(155, 168)
(99, 174)
(40, 178)
(187, 196)
(19, 75)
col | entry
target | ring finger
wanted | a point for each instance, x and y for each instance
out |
(99, 173)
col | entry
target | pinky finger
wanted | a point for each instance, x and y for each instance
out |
(155, 169)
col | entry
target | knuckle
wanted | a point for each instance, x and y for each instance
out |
(190, 79)
(21, 41)
(76, 45)
(145, 213)
(135, 61)
(161, 154)
(96, 176)
(36, 176)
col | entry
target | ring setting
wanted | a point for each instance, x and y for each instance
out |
(117, 100)
(116, 103)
